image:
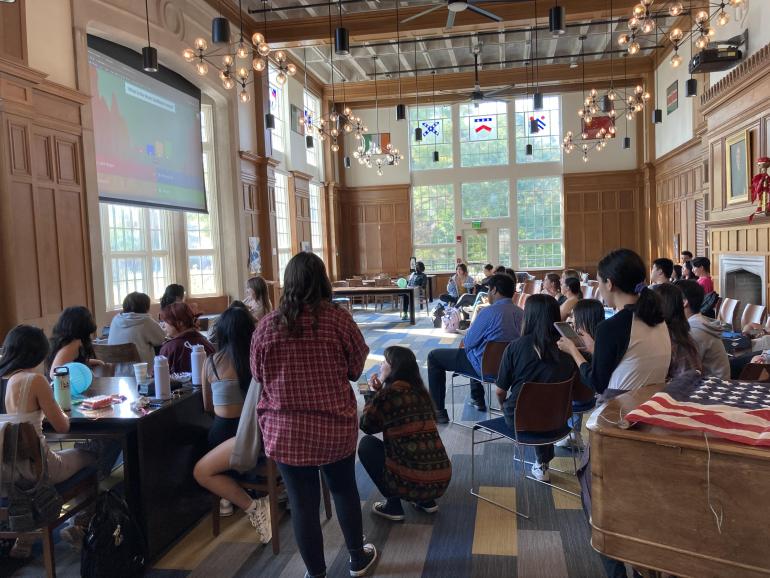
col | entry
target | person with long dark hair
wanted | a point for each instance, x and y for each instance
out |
(410, 462)
(534, 357)
(71, 339)
(587, 315)
(632, 348)
(707, 333)
(174, 293)
(684, 351)
(182, 334)
(26, 396)
(552, 287)
(304, 354)
(257, 298)
(572, 293)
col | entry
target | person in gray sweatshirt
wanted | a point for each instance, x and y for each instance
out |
(706, 332)
(135, 325)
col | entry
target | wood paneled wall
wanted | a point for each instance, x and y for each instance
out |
(376, 235)
(44, 233)
(13, 31)
(299, 207)
(601, 213)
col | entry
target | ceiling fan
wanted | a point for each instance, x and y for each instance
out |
(456, 6)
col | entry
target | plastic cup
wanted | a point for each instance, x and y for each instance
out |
(140, 372)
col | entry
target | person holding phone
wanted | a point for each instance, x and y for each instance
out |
(534, 357)
(410, 462)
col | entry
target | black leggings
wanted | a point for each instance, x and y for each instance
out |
(304, 490)
(222, 430)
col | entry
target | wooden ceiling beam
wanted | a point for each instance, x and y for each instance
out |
(381, 24)
(553, 74)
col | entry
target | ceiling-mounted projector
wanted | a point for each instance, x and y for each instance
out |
(719, 55)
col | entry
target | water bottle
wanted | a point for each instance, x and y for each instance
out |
(197, 358)
(61, 387)
(162, 378)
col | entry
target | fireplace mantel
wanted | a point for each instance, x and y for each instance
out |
(755, 264)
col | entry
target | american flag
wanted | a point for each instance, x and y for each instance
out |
(735, 410)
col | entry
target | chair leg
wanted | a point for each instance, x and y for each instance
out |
(327, 498)
(215, 515)
(272, 498)
(48, 555)
(475, 493)
(523, 478)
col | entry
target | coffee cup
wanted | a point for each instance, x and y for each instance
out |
(140, 372)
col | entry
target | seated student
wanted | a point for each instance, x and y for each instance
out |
(569, 273)
(677, 274)
(499, 269)
(71, 339)
(499, 322)
(534, 357)
(684, 353)
(410, 462)
(174, 293)
(459, 284)
(701, 266)
(417, 279)
(182, 334)
(26, 396)
(135, 325)
(482, 285)
(685, 257)
(257, 298)
(573, 294)
(552, 287)
(688, 272)
(661, 272)
(706, 332)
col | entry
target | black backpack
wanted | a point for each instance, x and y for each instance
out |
(709, 306)
(113, 545)
(437, 314)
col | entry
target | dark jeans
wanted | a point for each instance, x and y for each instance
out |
(442, 360)
(304, 490)
(544, 453)
(447, 298)
(405, 303)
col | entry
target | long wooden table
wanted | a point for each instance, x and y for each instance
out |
(160, 449)
(379, 292)
(650, 497)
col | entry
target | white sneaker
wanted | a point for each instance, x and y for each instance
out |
(574, 439)
(259, 516)
(225, 508)
(540, 472)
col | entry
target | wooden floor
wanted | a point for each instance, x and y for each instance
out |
(466, 538)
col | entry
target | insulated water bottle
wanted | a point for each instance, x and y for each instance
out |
(197, 358)
(61, 387)
(162, 378)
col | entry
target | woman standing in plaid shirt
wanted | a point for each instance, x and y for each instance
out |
(304, 354)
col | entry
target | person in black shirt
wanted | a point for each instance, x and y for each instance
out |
(534, 358)
(416, 279)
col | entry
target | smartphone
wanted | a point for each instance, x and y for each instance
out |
(566, 330)
(363, 387)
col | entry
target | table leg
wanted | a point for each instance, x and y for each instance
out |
(412, 298)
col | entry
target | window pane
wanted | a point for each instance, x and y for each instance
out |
(126, 228)
(476, 253)
(533, 255)
(436, 125)
(433, 214)
(198, 231)
(158, 228)
(483, 134)
(539, 205)
(315, 220)
(127, 276)
(312, 115)
(277, 108)
(485, 200)
(504, 247)
(160, 276)
(202, 277)
(546, 142)
(436, 258)
(282, 223)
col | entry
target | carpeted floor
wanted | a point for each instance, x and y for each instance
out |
(466, 538)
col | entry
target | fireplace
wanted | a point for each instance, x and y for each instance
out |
(743, 277)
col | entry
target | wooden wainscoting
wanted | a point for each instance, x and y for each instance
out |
(376, 235)
(601, 213)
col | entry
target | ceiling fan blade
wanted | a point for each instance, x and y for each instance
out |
(423, 13)
(483, 12)
(500, 91)
(450, 19)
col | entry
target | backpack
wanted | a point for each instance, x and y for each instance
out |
(113, 545)
(708, 308)
(437, 314)
(451, 320)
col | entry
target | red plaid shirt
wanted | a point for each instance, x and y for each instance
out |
(308, 412)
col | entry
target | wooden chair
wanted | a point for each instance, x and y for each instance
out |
(346, 301)
(540, 417)
(490, 367)
(357, 282)
(122, 353)
(752, 314)
(266, 479)
(523, 299)
(529, 287)
(384, 281)
(78, 492)
(755, 372)
(727, 310)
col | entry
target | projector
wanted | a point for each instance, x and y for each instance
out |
(718, 55)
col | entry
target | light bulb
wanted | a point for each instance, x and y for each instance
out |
(634, 47)
(648, 25)
(257, 38)
(630, 115)
(676, 60)
(258, 64)
(228, 83)
(356, 154)
(348, 128)
(291, 69)
(675, 9)
(640, 10)
(242, 51)
(709, 31)
(646, 96)
(701, 17)
(676, 34)
(722, 18)
(200, 44)
(585, 158)
(736, 2)
(334, 117)
(243, 73)
(188, 54)
(335, 147)
(227, 60)
(202, 68)
(584, 135)
(623, 39)
(263, 48)
(633, 23)
(347, 111)
(244, 96)
(334, 132)
(280, 78)
(280, 56)
(702, 42)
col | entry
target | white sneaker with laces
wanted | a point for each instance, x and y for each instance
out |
(574, 439)
(540, 472)
(259, 516)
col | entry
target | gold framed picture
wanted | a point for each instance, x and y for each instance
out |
(738, 165)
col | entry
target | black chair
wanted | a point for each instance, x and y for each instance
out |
(542, 411)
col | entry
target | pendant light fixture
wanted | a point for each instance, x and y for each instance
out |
(629, 115)
(556, 19)
(657, 113)
(435, 134)
(220, 28)
(341, 37)
(537, 97)
(149, 53)
(418, 130)
(533, 126)
(400, 107)
(691, 86)
(259, 64)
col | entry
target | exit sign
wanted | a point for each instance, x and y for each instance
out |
(476, 224)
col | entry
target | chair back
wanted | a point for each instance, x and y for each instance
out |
(382, 282)
(122, 353)
(543, 407)
(340, 284)
(755, 372)
(581, 393)
(355, 282)
(492, 358)
(752, 314)
(523, 299)
(529, 287)
(27, 451)
(727, 311)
